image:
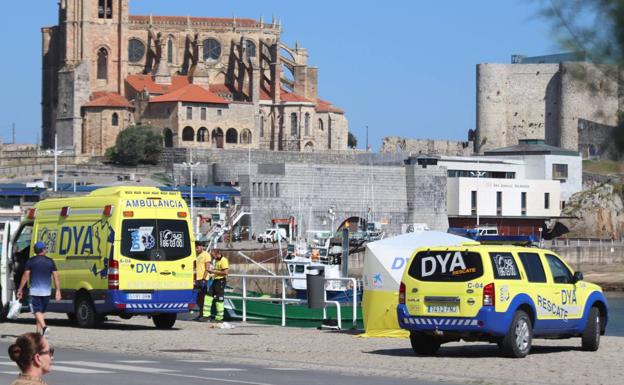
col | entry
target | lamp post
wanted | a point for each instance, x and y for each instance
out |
(56, 153)
(190, 165)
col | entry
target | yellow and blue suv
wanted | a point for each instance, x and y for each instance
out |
(501, 294)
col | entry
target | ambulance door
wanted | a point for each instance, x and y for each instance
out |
(20, 253)
(537, 285)
(565, 303)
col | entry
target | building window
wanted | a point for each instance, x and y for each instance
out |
(320, 124)
(219, 112)
(266, 189)
(115, 120)
(250, 49)
(105, 9)
(271, 190)
(293, 124)
(560, 171)
(188, 134)
(231, 136)
(277, 190)
(136, 50)
(253, 189)
(523, 203)
(473, 203)
(189, 113)
(245, 137)
(262, 127)
(212, 50)
(202, 134)
(203, 114)
(170, 51)
(499, 203)
(102, 64)
(306, 124)
(546, 201)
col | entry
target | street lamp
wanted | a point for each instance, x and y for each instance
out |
(56, 153)
(190, 165)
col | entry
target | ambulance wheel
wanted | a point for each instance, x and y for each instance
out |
(424, 344)
(591, 334)
(85, 312)
(517, 342)
(165, 320)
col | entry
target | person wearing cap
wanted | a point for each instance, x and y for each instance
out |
(216, 292)
(39, 271)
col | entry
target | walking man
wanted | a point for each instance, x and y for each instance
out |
(39, 270)
(202, 265)
(217, 290)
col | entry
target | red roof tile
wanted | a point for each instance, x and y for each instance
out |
(191, 93)
(325, 106)
(216, 21)
(146, 82)
(107, 99)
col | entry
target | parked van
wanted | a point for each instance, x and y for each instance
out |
(119, 250)
(271, 235)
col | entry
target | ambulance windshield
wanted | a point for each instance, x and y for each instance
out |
(446, 265)
(155, 240)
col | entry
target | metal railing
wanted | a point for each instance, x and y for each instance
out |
(284, 300)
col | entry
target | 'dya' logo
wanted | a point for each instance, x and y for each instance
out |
(399, 263)
(145, 268)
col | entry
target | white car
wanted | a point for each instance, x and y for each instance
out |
(270, 235)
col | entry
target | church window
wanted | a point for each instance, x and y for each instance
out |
(105, 9)
(212, 50)
(102, 64)
(261, 126)
(250, 49)
(293, 124)
(320, 124)
(115, 120)
(189, 113)
(202, 134)
(170, 51)
(231, 136)
(203, 114)
(188, 134)
(307, 124)
(136, 50)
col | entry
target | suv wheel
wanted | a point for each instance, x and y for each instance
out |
(86, 317)
(517, 342)
(591, 334)
(424, 344)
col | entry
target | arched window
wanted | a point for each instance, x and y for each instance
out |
(168, 137)
(250, 49)
(309, 147)
(202, 134)
(102, 64)
(329, 133)
(136, 50)
(306, 124)
(231, 136)
(212, 49)
(320, 124)
(245, 137)
(262, 126)
(217, 137)
(188, 134)
(170, 51)
(105, 9)
(115, 119)
(293, 124)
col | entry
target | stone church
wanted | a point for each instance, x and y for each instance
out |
(200, 82)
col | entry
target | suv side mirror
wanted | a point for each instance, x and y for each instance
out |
(578, 276)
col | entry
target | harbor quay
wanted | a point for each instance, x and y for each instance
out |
(345, 352)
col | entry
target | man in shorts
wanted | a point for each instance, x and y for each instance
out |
(39, 270)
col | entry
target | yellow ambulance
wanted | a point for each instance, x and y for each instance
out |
(119, 251)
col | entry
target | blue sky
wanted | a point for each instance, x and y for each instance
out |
(402, 68)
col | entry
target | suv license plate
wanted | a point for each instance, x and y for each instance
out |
(442, 309)
(139, 296)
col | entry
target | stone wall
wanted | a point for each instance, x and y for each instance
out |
(594, 139)
(426, 146)
(426, 196)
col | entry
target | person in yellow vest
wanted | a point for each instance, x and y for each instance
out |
(216, 292)
(202, 264)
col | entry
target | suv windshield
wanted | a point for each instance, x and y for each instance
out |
(155, 240)
(443, 265)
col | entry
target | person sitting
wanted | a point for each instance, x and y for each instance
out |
(33, 355)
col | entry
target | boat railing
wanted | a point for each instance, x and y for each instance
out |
(284, 300)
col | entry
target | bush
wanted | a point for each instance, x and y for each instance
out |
(136, 145)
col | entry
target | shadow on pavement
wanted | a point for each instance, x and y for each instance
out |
(473, 351)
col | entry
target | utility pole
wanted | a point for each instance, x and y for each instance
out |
(367, 138)
(190, 165)
(13, 133)
(56, 153)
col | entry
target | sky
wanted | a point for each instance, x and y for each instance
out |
(399, 67)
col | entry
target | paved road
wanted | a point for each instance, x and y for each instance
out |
(76, 367)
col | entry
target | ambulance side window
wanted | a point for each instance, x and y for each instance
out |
(560, 272)
(504, 266)
(533, 267)
(23, 239)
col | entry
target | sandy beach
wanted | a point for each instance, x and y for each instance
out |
(550, 361)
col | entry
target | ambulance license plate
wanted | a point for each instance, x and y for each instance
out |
(139, 296)
(442, 309)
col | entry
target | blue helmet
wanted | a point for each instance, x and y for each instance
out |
(40, 246)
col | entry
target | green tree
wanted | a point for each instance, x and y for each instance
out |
(352, 141)
(136, 145)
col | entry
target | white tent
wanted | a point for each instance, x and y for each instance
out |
(384, 262)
